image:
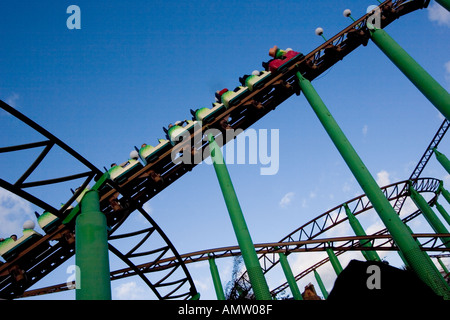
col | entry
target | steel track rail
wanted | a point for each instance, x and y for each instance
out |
(343, 244)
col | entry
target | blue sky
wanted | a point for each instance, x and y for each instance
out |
(135, 67)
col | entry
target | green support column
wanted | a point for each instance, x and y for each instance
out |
(444, 3)
(442, 211)
(400, 234)
(429, 214)
(444, 267)
(216, 279)
(400, 252)
(370, 255)
(290, 277)
(444, 192)
(425, 254)
(334, 261)
(443, 160)
(426, 84)
(321, 285)
(255, 274)
(91, 251)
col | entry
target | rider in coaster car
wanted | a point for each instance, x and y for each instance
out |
(219, 93)
(280, 57)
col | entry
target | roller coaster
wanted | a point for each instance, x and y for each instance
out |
(125, 188)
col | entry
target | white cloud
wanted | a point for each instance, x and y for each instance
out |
(130, 291)
(304, 203)
(447, 180)
(346, 187)
(447, 68)
(201, 285)
(437, 13)
(14, 211)
(365, 129)
(383, 178)
(287, 199)
(375, 227)
(12, 99)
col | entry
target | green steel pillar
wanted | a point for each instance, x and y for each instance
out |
(442, 211)
(370, 255)
(443, 160)
(429, 214)
(255, 274)
(91, 250)
(426, 84)
(290, 277)
(400, 252)
(444, 267)
(216, 279)
(400, 234)
(444, 192)
(444, 3)
(334, 261)
(425, 254)
(321, 285)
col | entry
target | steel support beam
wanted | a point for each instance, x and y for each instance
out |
(426, 84)
(290, 276)
(401, 235)
(256, 276)
(334, 261)
(370, 255)
(443, 160)
(444, 192)
(321, 285)
(216, 279)
(444, 267)
(91, 251)
(443, 212)
(429, 215)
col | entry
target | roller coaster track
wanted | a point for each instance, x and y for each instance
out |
(430, 242)
(303, 239)
(40, 259)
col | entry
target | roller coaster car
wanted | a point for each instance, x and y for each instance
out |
(176, 133)
(47, 221)
(206, 115)
(149, 153)
(81, 195)
(120, 173)
(282, 62)
(230, 98)
(255, 80)
(10, 248)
